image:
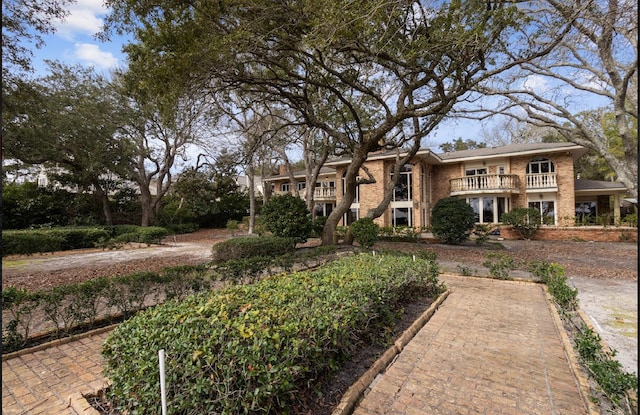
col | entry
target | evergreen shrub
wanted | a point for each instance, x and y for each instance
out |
(249, 246)
(365, 232)
(255, 348)
(287, 216)
(451, 220)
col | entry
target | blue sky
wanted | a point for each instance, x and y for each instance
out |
(74, 41)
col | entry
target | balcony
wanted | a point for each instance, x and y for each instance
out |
(542, 181)
(324, 193)
(483, 183)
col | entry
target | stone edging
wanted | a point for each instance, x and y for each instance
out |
(574, 364)
(58, 342)
(354, 393)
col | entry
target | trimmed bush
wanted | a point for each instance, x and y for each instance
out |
(452, 220)
(365, 232)
(254, 348)
(524, 221)
(247, 247)
(287, 216)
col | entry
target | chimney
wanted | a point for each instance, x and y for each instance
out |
(282, 169)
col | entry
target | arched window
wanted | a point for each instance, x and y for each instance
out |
(540, 165)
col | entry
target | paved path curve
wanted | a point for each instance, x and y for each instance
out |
(492, 347)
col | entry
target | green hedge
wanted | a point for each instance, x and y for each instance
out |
(66, 308)
(26, 242)
(251, 349)
(249, 247)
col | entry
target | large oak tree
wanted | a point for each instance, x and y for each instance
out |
(372, 74)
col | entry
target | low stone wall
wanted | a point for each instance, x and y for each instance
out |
(579, 233)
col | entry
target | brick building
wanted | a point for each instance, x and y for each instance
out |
(491, 180)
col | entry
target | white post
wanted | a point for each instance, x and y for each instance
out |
(163, 395)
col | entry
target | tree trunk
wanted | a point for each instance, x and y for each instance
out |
(104, 200)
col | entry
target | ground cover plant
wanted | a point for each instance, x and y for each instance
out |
(253, 348)
(616, 387)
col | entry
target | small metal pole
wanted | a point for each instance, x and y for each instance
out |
(163, 395)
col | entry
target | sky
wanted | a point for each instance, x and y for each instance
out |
(74, 42)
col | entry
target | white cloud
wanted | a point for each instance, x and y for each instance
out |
(85, 18)
(535, 83)
(91, 54)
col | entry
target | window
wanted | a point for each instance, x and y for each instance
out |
(586, 212)
(475, 172)
(284, 187)
(302, 186)
(402, 191)
(323, 209)
(356, 199)
(351, 216)
(401, 216)
(489, 209)
(540, 165)
(546, 209)
(474, 202)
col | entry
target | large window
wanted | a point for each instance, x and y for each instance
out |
(356, 199)
(489, 209)
(351, 216)
(323, 209)
(586, 212)
(401, 216)
(284, 187)
(402, 191)
(546, 209)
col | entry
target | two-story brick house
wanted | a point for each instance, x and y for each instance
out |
(491, 180)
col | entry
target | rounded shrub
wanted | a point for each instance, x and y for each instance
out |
(365, 232)
(524, 221)
(287, 216)
(451, 220)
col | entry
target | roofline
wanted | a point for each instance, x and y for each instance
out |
(387, 155)
(575, 149)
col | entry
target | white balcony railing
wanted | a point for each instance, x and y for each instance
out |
(541, 181)
(484, 182)
(321, 193)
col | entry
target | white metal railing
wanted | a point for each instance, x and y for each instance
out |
(541, 180)
(484, 182)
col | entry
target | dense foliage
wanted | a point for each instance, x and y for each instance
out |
(33, 241)
(247, 247)
(365, 232)
(251, 349)
(451, 220)
(524, 221)
(287, 216)
(28, 205)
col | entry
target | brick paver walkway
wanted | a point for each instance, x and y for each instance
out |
(42, 382)
(491, 348)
